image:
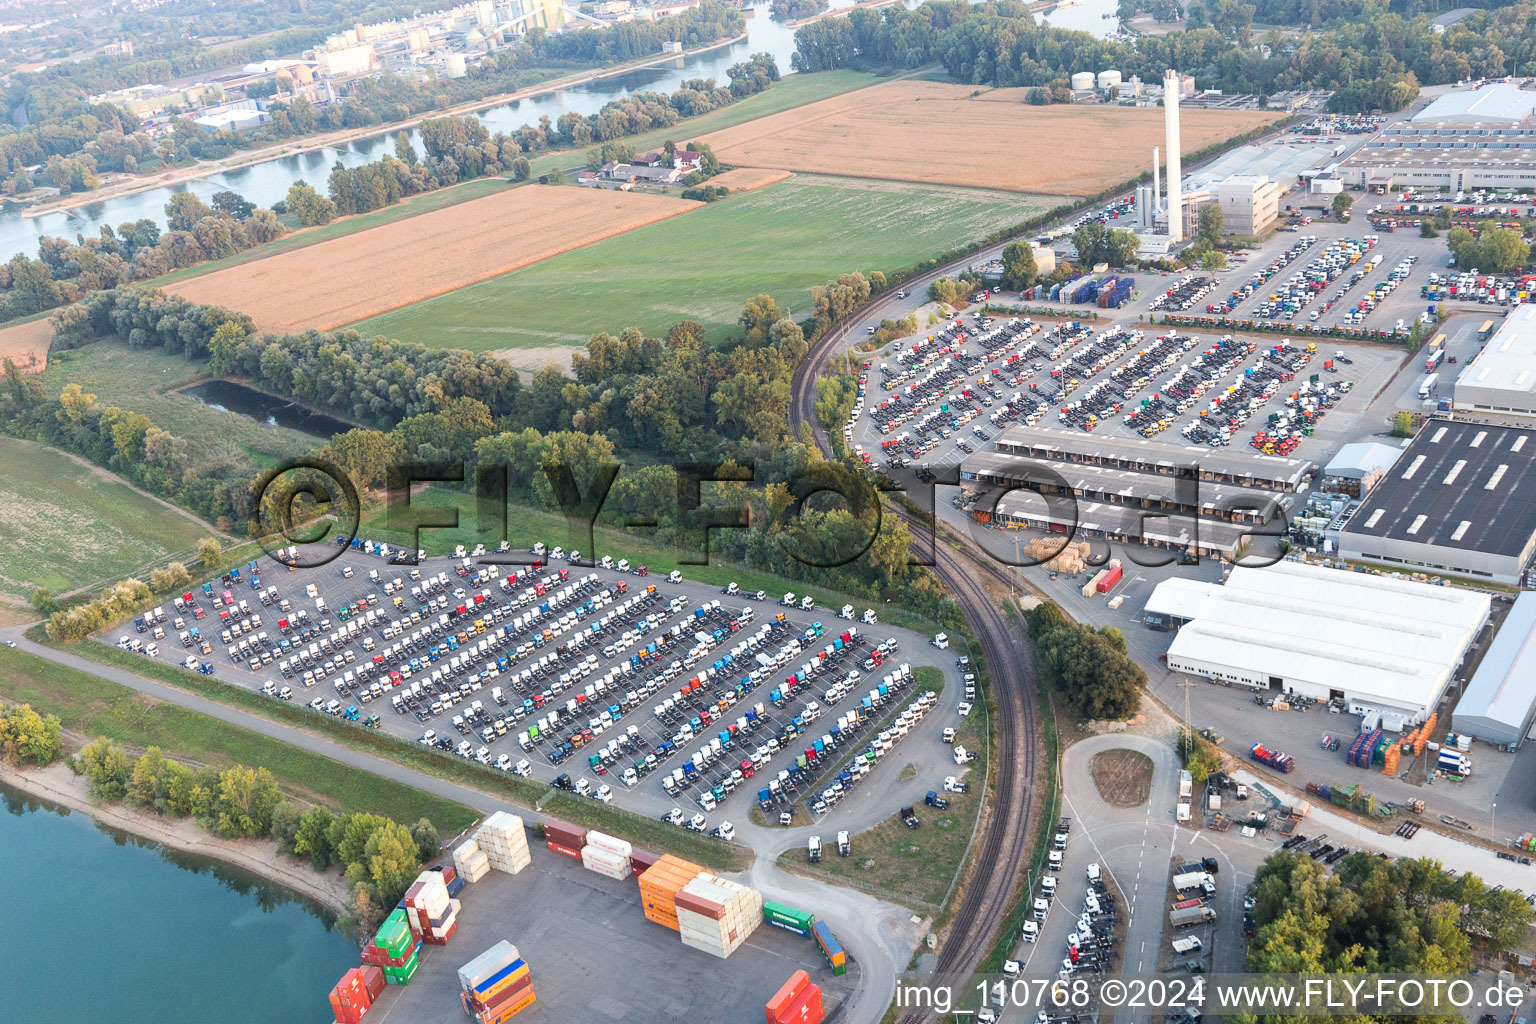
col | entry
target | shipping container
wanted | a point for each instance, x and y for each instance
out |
(571, 836)
(788, 918)
(830, 947)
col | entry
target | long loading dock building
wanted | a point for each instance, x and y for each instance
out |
(1378, 645)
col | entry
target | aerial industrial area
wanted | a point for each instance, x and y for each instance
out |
(894, 512)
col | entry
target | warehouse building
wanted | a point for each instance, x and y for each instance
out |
(1469, 139)
(1378, 645)
(1358, 467)
(1461, 500)
(1502, 377)
(1499, 706)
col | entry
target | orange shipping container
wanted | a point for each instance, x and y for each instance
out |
(785, 996)
(659, 886)
(505, 1013)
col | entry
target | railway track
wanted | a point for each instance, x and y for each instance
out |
(1005, 845)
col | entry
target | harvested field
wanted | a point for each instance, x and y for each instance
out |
(27, 344)
(994, 140)
(1123, 777)
(374, 271)
(745, 179)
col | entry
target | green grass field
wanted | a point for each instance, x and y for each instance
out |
(148, 381)
(782, 239)
(92, 707)
(65, 524)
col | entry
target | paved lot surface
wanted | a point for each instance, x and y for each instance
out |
(598, 959)
(370, 642)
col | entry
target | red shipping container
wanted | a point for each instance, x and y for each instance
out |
(640, 861)
(565, 850)
(806, 1009)
(373, 981)
(565, 835)
(449, 874)
(786, 995)
(441, 940)
(349, 998)
(1110, 579)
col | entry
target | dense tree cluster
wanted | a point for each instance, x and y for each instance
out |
(1377, 59)
(1087, 668)
(789, 10)
(1491, 248)
(26, 736)
(1403, 916)
(66, 271)
(380, 857)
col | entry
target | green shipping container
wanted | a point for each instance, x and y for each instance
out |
(403, 974)
(780, 914)
(394, 935)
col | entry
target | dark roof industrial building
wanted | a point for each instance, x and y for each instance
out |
(1460, 501)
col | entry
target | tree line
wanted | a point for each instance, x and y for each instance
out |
(380, 857)
(1378, 60)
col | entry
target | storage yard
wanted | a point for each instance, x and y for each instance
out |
(511, 939)
(889, 130)
(369, 272)
(653, 693)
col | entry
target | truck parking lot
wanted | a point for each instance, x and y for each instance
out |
(944, 396)
(654, 692)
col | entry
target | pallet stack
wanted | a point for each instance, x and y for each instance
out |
(798, 1002)
(659, 886)
(607, 856)
(430, 910)
(470, 862)
(496, 986)
(394, 948)
(716, 915)
(504, 842)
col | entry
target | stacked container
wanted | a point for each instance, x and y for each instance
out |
(716, 915)
(430, 910)
(566, 840)
(470, 862)
(451, 879)
(350, 999)
(798, 1002)
(607, 856)
(640, 862)
(395, 949)
(496, 985)
(788, 918)
(659, 886)
(830, 947)
(504, 842)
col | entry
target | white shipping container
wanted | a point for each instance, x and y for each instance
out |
(605, 862)
(487, 964)
(476, 869)
(603, 841)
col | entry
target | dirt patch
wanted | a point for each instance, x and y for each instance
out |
(991, 140)
(27, 344)
(1123, 777)
(745, 179)
(360, 275)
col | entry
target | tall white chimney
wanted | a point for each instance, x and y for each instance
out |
(1175, 164)
(1157, 181)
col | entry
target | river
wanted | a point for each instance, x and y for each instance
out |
(267, 182)
(104, 927)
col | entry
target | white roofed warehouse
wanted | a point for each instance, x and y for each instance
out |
(1377, 644)
(1499, 706)
(1502, 377)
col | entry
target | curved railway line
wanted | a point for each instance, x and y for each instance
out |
(1006, 844)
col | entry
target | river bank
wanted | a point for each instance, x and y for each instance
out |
(57, 784)
(328, 140)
